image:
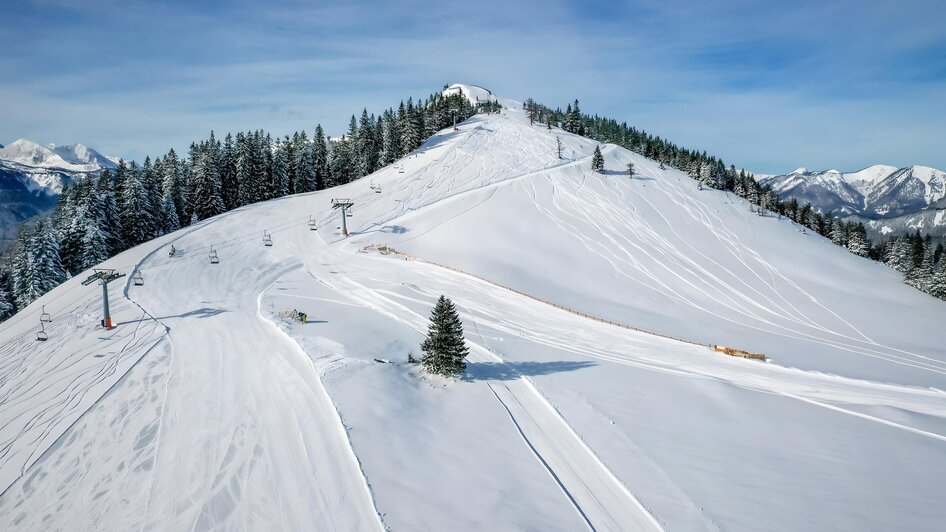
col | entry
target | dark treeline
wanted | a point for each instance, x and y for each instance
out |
(100, 216)
(922, 265)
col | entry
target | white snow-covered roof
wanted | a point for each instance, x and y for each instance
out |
(473, 93)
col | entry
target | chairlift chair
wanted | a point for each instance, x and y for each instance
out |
(267, 239)
(138, 279)
(312, 224)
(41, 335)
(45, 317)
(214, 259)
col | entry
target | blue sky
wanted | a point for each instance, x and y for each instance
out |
(769, 86)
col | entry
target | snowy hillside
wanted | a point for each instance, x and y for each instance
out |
(874, 193)
(206, 409)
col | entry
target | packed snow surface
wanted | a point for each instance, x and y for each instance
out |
(208, 409)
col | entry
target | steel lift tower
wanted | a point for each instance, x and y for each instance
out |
(344, 204)
(104, 277)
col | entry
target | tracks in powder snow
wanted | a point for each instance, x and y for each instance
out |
(603, 502)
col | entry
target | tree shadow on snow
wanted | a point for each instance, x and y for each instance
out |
(507, 371)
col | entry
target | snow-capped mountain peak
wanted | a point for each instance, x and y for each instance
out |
(878, 191)
(73, 158)
(82, 154)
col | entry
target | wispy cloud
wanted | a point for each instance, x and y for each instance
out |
(767, 85)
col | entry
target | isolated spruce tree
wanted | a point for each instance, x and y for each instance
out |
(444, 350)
(630, 169)
(597, 161)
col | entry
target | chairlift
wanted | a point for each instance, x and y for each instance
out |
(41, 335)
(312, 224)
(138, 279)
(45, 317)
(172, 252)
(375, 188)
(400, 169)
(214, 259)
(267, 239)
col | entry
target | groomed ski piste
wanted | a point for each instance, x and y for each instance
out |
(206, 409)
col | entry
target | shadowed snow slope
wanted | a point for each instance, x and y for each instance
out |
(206, 410)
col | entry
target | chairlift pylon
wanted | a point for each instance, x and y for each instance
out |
(214, 258)
(138, 278)
(45, 317)
(267, 238)
(41, 335)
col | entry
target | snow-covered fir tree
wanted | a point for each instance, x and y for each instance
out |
(7, 307)
(37, 268)
(280, 173)
(597, 161)
(937, 286)
(444, 349)
(135, 210)
(921, 275)
(206, 195)
(320, 158)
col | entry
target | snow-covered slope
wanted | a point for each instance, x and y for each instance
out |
(205, 409)
(876, 192)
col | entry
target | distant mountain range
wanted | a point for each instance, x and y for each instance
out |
(32, 176)
(888, 199)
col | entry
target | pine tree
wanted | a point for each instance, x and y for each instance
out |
(37, 268)
(7, 308)
(207, 200)
(444, 349)
(858, 243)
(280, 175)
(630, 170)
(921, 276)
(111, 223)
(152, 186)
(937, 286)
(134, 209)
(172, 183)
(90, 224)
(320, 158)
(229, 180)
(597, 161)
(246, 175)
